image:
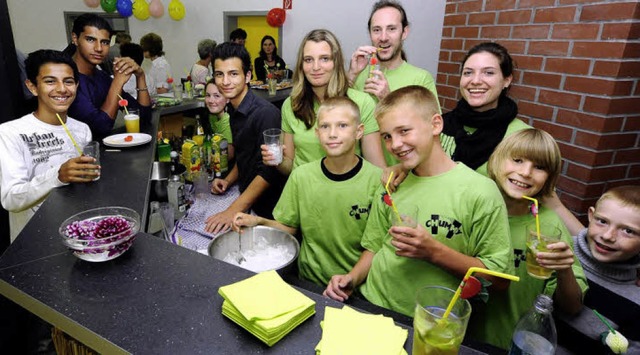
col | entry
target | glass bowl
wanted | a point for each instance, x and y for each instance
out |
(100, 234)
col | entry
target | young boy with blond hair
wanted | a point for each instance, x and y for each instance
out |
(328, 200)
(462, 219)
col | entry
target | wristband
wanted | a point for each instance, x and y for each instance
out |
(142, 89)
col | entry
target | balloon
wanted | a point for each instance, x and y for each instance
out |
(176, 10)
(141, 9)
(108, 5)
(124, 8)
(276, 17)
(92, 3)
(156, 9)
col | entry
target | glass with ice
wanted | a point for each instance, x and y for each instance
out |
(549, 234)
(433, 335)
(273, 141)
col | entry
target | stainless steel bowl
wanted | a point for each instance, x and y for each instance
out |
(258, 241)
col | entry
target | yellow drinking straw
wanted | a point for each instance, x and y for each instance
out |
(393, 205)
(535, 203)
(471, 270)
(69, 134)
(125, 106)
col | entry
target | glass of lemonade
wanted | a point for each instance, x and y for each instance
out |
(132, 121)
(548, 235)
(433, 335)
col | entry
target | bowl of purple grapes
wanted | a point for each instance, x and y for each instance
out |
(100, 234)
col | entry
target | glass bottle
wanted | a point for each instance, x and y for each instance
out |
(535, 332)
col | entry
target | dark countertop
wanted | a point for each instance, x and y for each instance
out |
(157, 297)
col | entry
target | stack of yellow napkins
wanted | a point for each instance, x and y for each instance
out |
(347, 331)
(266, 306)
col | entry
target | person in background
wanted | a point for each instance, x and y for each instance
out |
(160, 70)
(36, 153)
(269, 60)
(218, 117)
(329, 199)
(97, 97)
(320, 75)
(260, 185)
(461, 222)
(200, 71)
(238, 36)
(114, 50)
(133, 51)
(528, 163)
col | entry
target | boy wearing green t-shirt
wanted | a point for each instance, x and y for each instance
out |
(329, 199)
(462, 218)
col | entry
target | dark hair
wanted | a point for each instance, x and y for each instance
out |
(500, 52)
(205, 47)
(263, 55)
(43, 56)
(389, 3)
(122, 38)
(238, 33)
(133, 51)
(152, 43)
(91, 20)
(228, 50)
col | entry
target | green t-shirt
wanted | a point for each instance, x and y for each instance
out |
(331, 211)
(461, 209)
(307, 145)
(404, 75)
(220, 125)
(449, 144)
(495, 322)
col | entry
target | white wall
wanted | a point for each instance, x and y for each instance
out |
(40, 24)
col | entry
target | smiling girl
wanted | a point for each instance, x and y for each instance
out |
(218, 118)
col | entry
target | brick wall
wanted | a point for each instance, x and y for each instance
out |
(577, 78)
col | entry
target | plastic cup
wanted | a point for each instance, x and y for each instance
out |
(273, 140)
(92, 149)
(177, 93)
(132, 121)
(433, 335)
(548, 235)
(408, 216)
(273, 86)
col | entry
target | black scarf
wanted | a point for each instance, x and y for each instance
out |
(474, 149)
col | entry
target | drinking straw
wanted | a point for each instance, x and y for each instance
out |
(125, 106)
(604, 321)
(393, 205)
(535, 213)
(69, 134)
(471, 270)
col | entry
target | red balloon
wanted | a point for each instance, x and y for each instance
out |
(276, 17)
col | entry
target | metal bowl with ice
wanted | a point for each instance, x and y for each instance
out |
(263, 248)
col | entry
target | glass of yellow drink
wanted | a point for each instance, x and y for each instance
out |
(132, 121)
(548, 235)
(433, 335)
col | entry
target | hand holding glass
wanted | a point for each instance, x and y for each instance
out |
(408, 216)
(273, 140)
(92, 149)
(548, 235)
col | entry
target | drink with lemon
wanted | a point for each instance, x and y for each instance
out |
(548, 235)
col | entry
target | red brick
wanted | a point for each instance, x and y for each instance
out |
(585, 156)
(605, 142)
(455, 20)
(542, 79)
(627, 156)
(452, 44)
(522, 92)
(499, 5)
(514, 17)
(579, 172)
(514, 47)
(482, 18)
(467, 32)
(555, 14)
(573, 2)
(447, 32)
(589, 122)
(618, 69)
(577, 205)
(556, 48)
(447, 91)
(580, 187)
(567, 65)
(527, 62)
(558, 98)
(591, 85)
(448, 68)
(610, 11)
(454, 80)
(634, 172)
(531, 31)
(632, 50)
(632, 124)
(449, 104)
(457, 56)
(535, 3)
(598, 49)
(441, 78)
(533, 109)
(450, 8)
(620, 31)
(596, 105)
(560, 133)
(495, 31)
(575, 31)
(444, 56)
(470, 6)
(621, 106)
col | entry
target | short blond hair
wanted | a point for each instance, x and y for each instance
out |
(627, 195)
(423, 100)
(533, 144)
(341, 101)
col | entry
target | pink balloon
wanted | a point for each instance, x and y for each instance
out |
(92, 3)
(156, 9)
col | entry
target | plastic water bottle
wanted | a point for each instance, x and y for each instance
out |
(535, 332)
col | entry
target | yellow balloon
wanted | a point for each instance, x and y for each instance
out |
(176, 10)
(141, 9)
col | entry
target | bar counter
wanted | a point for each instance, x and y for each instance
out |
(157, 297)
